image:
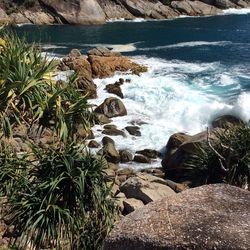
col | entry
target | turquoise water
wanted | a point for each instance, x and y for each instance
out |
(199, 68)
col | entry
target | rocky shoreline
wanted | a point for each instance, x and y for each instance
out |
(88, 12)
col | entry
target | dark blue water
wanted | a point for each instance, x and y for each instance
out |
(199, 68)
(231, 28)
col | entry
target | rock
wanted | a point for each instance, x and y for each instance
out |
(112, 107)
(194, 8)
(110, 153)
(224, 4)
(105, 63)
(102, 51)
(4, 18)
(38, 17)
(83, 133)
(87, 87)
(226, 121)
(149, 9)
(140, 187)
(150, 153)
(141, 159)
(110, 126)
(93, 144)
(133, 130)
(18, 18)
(113, 166)
(207, 217)
(178, 149)
(125, 156)
(130, 205)
(114, 89)
(77, 11)
(106, 140)
(158, 172)
(126, 171)
(102, 119)
(113, 132)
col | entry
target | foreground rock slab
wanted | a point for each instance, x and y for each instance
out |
(207, 217)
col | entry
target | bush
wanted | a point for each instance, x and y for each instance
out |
(224, 159)
(29, 94)
(60, 199)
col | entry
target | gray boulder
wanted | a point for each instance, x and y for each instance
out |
(208, 217)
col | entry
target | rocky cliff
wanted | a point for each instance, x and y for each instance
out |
(98, 11)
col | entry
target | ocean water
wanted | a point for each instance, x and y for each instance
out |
(199, 68)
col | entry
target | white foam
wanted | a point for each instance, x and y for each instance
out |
(189, 44)
(169, 101)
(115, 47)
(234, 11)
(53, 46)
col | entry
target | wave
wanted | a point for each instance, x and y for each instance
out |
(233, 11)
(115, 47)
(53, 46)
(175, 96)
(135, 20)
(189, 44)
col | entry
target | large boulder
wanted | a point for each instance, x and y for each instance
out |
(105, 63)
(225, 121)
(79, 63)
(77, 11)
(194, 8)
(146, 188)
(38, 17)
(178, 150)
(208, 217)
(149, 9)
(112, 107)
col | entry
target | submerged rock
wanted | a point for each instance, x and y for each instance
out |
(208, 217)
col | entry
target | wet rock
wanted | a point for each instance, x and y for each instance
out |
(186, 221)
(125, 156)
(102, 119)
(93, 144)
(133, 130)
(110, 153)
(126, 171)
(142, 159)
(226, 121)
(112, 107)
(106, 140)
(150, 153)
(114, 89)
(113, 132)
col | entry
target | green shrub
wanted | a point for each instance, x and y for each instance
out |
(29, 94)
(223, 159)
(61, 199)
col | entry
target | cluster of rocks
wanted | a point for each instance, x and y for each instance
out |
(98, 11)
(99, 63)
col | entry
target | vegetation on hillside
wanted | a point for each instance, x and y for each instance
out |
(56, 196)
(15, 5)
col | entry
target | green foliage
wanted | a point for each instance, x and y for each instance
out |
(29, 95)
(223, 159)
(61, 199)
(56, 197)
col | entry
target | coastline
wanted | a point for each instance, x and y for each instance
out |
(52, 12)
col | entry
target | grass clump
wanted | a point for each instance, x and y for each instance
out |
(224, 159)
(56, 196)
(60, 199)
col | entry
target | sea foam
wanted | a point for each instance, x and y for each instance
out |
(168, 101)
